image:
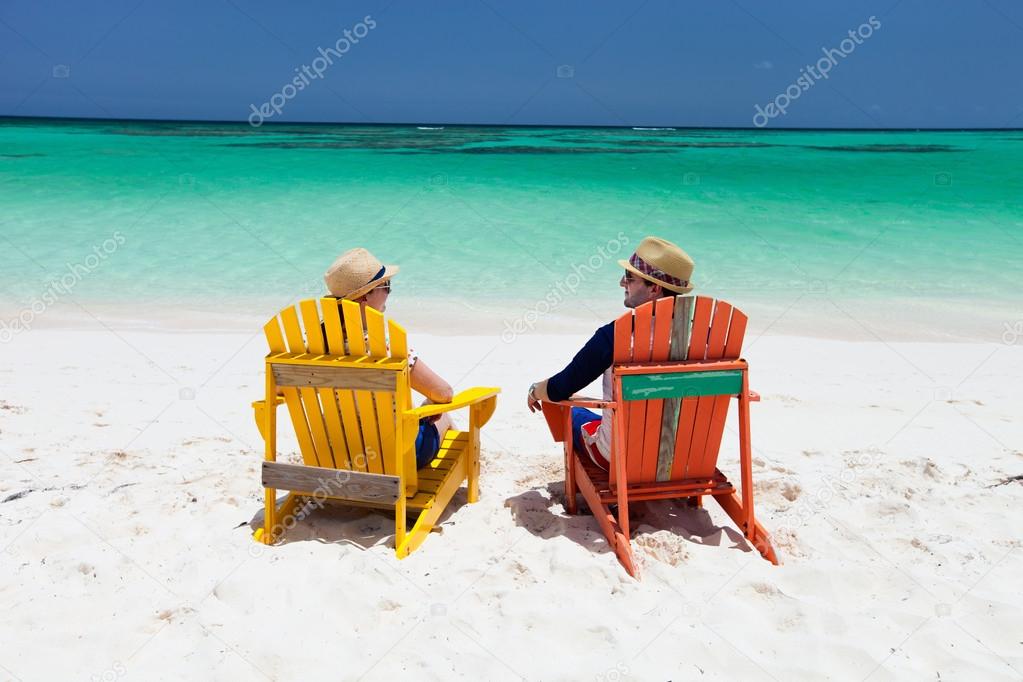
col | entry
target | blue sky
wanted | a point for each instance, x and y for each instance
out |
(930, 63)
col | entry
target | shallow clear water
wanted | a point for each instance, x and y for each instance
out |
(921, 226)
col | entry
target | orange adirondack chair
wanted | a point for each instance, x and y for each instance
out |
(676, 369)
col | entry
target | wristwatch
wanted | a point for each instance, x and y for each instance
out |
(532, 391)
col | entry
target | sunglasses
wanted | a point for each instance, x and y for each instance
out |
(385, 287)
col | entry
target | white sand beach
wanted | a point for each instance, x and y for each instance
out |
(129, 484)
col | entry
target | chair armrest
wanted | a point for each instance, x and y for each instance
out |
(258, 404)
(259, 412)
(470, 396)
(583, 401)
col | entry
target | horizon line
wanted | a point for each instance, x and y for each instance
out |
(6, 117)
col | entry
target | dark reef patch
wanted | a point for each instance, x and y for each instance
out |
(903, 148)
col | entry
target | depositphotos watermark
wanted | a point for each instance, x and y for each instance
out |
(809, 75)
(307, 73)
(60, 286)
(557, 292)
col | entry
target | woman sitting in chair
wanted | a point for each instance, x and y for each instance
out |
(358, 276)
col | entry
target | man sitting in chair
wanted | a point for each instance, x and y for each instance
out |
(658, 268)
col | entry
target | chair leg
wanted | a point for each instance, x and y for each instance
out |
(571, 489)
(756, 534)
(613, 531)
(400, 524)
(428, 517)
(275, 519)
(473, 465)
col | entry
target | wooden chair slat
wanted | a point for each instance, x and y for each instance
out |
(384, 403)
(292, 331)
(297, 412)
(700, 328)
(335, 428)
(375, 333)
(736, 334)
(274, 338)
(681, 321)
(311, 323)
(352, 429)
(317, 428)
(708, 417)
(659, 350)
(320, 408)
(335, 337)
(354, 333)
(636, 412)
(397, 341)
(683, 437)
(370, 433)
(368, 401)
(719, 416)
(623, 338)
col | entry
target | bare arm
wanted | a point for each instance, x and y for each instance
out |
(429, 383)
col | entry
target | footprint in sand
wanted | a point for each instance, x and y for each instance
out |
(9, 407)
(766, 589)
(663, 546)
(789, 490)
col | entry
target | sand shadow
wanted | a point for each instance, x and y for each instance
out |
(339, 523)
(534, 511)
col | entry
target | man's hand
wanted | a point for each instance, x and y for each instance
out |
(537, 392)
(531, 400)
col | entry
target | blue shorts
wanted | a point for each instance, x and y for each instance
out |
(580, 416)
(427, 443)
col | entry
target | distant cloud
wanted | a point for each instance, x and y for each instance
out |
(763, 65)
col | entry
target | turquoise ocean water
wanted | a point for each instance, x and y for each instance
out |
(891, 234)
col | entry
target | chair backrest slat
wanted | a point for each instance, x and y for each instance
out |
(293, 398)
(375, 333)
(681, 323)
(274, 338)
(397, 341)
(355, 335)
(701, 463)
(636, 412)
(660, 348)
(335, 336)
(733, 347)
(623, 338)
(311, 324)
(292, 332)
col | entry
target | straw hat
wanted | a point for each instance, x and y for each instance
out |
(661, 262)
(355, 272)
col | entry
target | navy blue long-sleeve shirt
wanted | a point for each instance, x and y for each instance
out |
(588, 364)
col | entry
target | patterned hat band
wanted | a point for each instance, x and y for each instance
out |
(647, 269)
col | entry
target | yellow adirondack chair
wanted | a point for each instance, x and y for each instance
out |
(346, 388)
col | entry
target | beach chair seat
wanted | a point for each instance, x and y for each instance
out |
(346, 387)
(676, 368)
